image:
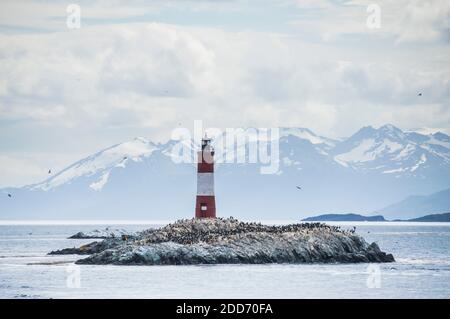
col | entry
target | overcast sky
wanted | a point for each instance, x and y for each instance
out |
(139, 68)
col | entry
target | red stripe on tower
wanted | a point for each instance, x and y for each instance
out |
(206, 203)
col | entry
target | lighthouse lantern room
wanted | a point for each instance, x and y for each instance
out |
(205, 204)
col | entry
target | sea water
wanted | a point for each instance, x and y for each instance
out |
(421, 270)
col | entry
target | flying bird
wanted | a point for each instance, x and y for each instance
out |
(49, 171)
(298, 187)
(9, 195)
(420, 94)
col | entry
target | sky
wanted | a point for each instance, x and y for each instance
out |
(143, 68)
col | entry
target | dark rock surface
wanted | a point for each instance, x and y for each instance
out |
(229, 241)
(89, 249)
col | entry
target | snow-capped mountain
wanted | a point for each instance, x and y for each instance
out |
(101, 164)
(388, 150)
(140, 179)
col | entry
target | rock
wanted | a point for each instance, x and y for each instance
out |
(102, 234)
(89, 249)
(229, 241)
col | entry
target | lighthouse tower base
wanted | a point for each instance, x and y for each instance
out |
(205, 207)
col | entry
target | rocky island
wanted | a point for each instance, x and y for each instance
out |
(101, 234)
(230, 241)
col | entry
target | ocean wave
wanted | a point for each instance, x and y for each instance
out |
(409, 233)
(424, 261)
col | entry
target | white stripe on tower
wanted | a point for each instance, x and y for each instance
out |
(205, 184)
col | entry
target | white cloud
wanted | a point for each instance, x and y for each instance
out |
(403, 20)
(103, 84)
(52, 15)
(153, 75)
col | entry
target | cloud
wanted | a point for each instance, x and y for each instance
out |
(76, 91)
(404, 21)
(154, 74)
(52, 15)
(19, 16)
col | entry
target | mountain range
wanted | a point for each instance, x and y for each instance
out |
(138, 179)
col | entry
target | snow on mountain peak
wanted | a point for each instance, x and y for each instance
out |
(386, 149)
(357, 154)
(135, 149)
(306, 134)
(102, 162)
(389, 128)
(427, 130)
(441, 136)
(385, 131)
(381, 148)
(139, 176)
(439, 139)
(98, 185)
(391, 131)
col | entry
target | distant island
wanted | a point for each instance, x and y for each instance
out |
(445, 217)
(345, 218)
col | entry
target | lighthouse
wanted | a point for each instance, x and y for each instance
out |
(205, 205)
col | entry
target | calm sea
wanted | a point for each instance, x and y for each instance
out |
(422, 270)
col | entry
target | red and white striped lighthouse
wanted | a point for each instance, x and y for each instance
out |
(206, 203)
